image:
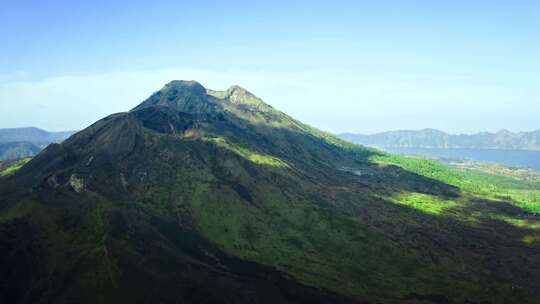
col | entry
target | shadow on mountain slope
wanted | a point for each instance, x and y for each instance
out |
(222, 206)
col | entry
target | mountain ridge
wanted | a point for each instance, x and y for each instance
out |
(29, 141)
(432, 138)
(32, 134)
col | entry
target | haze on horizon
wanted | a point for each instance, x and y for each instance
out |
(460, 67)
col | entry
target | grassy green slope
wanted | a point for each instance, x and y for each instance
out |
(8, 168)
(525, 194)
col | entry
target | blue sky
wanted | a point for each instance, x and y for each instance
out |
(358, 66)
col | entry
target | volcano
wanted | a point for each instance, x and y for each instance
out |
(202, 196)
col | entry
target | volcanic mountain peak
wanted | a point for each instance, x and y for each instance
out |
(237, 94)
(242, 97)
(185, 96)
(187, 84)
(192, 97)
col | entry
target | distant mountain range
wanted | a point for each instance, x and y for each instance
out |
(22, 142)
(431, 138)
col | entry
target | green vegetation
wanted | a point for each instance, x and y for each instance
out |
(14, 167)
(425, 202)
(525, 194)
(522, 223)
(304, 240)
(246, 153)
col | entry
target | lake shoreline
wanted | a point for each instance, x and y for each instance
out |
(509, 158)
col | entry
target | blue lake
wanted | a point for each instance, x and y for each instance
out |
(505, 157)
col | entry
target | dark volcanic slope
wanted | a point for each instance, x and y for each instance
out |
(199, 196)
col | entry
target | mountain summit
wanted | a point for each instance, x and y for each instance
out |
(201, 196)
(192, 97)
(185, 96)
